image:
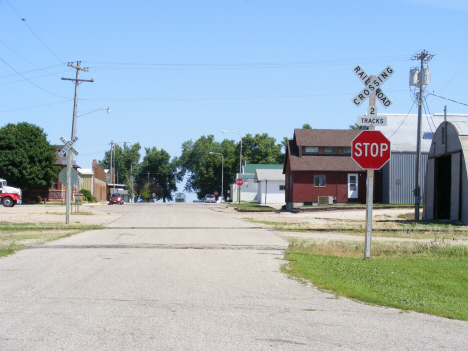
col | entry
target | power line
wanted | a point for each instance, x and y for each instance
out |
(457, 102)
(24, 21)
(227, 98)
(37, 86)
(250, 65)
(34, 70)
(27, 60)
(26, 108)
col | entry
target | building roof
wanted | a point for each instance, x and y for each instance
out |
(325, 137)
(269, 174)
(85, 171)
(251, 168)
(319, 162)
(402, 130)
(60, 158)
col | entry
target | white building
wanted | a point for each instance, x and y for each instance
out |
(271, 184)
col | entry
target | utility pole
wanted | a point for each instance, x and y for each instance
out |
(69, 153)
(424, 57)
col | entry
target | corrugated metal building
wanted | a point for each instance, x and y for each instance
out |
(446, 194)
(399, 174)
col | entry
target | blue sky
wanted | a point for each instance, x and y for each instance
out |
(171, 71)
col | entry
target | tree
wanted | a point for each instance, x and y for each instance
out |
(354, 126)
(203, 169)
(27, 160)
(158, 170)
(261, 149)
(306, 126)
(124, 157)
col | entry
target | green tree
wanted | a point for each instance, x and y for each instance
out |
(306, 126)
(27, 160)
(158, 169)
(203, 170)
(261, 149)
(354, 126)
(124, 157)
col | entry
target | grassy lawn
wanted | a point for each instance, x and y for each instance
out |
(396, 229)
(426, 278)
(251, 206)
(15, 236)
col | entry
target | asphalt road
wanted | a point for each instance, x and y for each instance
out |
(189, 277)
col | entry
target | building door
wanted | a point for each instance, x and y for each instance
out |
(352, 186)
(443, 180)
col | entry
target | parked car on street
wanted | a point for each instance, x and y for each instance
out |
(116, 199)
(210, 198)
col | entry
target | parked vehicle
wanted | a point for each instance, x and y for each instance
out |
(210, 198)
(116, 199)
(9, 196)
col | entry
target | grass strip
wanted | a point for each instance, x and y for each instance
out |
(251, 206)
(15, 236)
(427, 278)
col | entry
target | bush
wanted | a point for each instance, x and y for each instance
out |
(87, 194)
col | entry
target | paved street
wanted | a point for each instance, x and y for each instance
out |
(189, 277)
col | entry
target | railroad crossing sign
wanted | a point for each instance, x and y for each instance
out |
(371, 119)
(370, 149)
(68, 146)
(372, 86)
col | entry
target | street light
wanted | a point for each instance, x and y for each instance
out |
(131, 175)
(99, 109)
(222, 171)
(240, 158)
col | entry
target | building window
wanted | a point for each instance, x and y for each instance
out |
(319, 181)
(347, 150)
(312, 149)
(328, 150)
(281, 187)
(55, 184)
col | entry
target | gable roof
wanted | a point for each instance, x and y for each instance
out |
(251, 168)
(319, 162)
(269, 174)
(325, 137)
(402, 130)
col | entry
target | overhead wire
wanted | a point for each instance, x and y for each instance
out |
(37, 86)
(28, 60)
(24, 21)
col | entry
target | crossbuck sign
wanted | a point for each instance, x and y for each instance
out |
(68, 146)
(372, 86)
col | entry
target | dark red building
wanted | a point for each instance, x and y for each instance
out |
(319, 169)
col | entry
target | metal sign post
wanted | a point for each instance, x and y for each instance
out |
(372, 91)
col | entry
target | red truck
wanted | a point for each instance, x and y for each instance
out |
(9, 196)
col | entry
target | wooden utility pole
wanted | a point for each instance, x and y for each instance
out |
(424, 56)
(69, 153)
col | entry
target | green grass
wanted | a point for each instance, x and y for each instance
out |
(251, 206)
(15, 236)
(426, 278)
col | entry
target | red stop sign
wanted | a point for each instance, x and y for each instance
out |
(370, 149)
(239, 181)
(215, 193)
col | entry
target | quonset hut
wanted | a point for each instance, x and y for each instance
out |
(446, 185)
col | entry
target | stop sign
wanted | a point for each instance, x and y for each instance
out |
(370, 149)
(239, 181)
(215, 193)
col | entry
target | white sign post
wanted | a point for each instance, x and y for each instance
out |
(68, 147)
(373, 86)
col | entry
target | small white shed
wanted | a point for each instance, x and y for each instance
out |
(271, 184)
(446, 185)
